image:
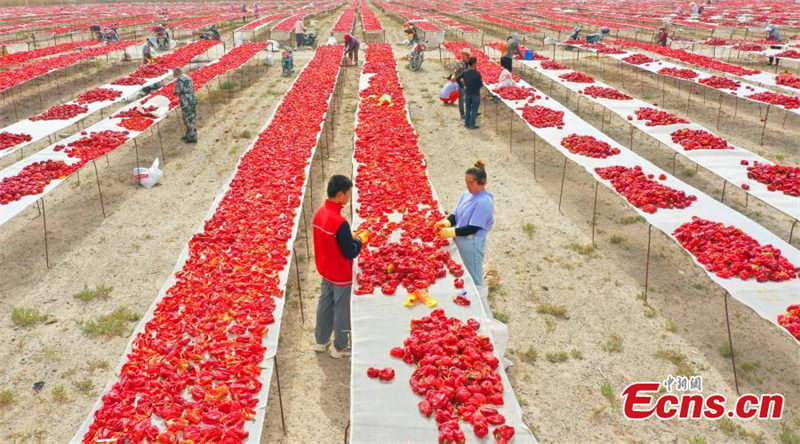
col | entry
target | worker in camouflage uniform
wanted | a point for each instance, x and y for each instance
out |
(184, 89)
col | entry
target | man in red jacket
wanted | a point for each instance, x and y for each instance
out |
(335, 247)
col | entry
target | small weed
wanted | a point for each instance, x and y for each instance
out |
(101, 291)
(787, 437)
(245, 134)
(650, 313)
(697, 440)
(617, 239)
(698, 286)
(60, 394)
(6, 397)
(749, 366)
(69, 372)
(98, 364)
(529, 229)
(529, 356)
(688, 172)
(576, 354)
(725, 350)
(549, 325)
(558, 311)
(606, 389)
(227, 85)
(682, 365)
(640, 296)
(732, 428)
(85, 386)
(113, 324)
(671, 326)
(614, 344)
(585, 250)
(26, 316)
(560, 356)
(51, 353)
(502, 317)
(630, 220)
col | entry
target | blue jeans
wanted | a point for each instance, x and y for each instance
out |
(473, 101)
(472, 249)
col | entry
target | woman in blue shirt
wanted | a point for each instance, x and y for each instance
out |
(471, 221)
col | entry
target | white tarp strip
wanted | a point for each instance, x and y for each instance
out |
(382, 412)
(768, 299)
(254, 428)
(724, 163)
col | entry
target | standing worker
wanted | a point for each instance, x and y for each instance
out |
(471, 221)
(335, 247)
(472, 81)
(512, 50)
(661, 37)
(299, 32)
(351, 46)
(461, 66)
(184, 89)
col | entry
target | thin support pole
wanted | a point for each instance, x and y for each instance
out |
(99, 190)
(563, 176)
(594, 209)
(161, 142)
(280, 396)
(730, 342)
(44, 223)
(724, 185)
(299, 290)
(764, 128)
(791, 232)
(136, 148)
(647, 263)
(719, 109)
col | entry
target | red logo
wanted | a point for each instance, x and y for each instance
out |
(642, 401)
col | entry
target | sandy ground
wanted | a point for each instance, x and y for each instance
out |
(542, 256)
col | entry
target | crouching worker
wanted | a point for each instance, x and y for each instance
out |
(335, 247)
(449, 93)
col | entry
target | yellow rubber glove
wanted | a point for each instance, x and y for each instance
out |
(444, 223)
(447, 233)
(363, 236)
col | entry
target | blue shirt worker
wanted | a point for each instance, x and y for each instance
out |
(471, 221)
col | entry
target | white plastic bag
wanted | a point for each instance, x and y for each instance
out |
(148, 177)
(506, 79)
(160, 102)
(273, 46)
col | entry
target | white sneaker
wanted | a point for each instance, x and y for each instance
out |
(336, 353)
(319, 348)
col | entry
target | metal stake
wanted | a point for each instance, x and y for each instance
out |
(647, 263)
(563, 175)
(97, 176)
(44, 222)
(730, 342)
(299, 290)
(280, 396)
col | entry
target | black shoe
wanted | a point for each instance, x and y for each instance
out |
(474, 127)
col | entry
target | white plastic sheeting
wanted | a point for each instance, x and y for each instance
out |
(255, 427)
(40, 129)
(381, 412)
(741, 92)
(725, 163)
(11, 209)
(768, 299)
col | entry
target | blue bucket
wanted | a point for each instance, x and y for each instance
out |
(528, 54)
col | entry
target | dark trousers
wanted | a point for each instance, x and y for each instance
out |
(462, 100)
(473, 101)
(300, 39)
(505, 62)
